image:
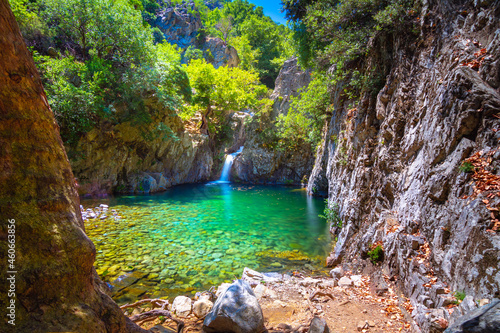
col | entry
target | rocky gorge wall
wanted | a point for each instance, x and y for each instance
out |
(392, 163)
(125, 159)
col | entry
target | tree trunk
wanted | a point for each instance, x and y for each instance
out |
(56, 287)
(204, 121)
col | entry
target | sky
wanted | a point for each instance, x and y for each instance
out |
(272, 9)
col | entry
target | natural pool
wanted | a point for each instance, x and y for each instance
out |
(192, 237)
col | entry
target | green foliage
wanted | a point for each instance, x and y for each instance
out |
(376, 254)
(337, 33)
(459, 295)
(224, 28)
(264, 36)
(218, 91)
(262, 44)
(247, 54)
(109, 65)
(331, 214)
(27, 16)
(75, 102)
(466, 167)
(307, 113)
(193, 53)
(106, 28)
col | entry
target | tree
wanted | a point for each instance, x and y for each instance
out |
(264, 36)
(115, 64)
(217, 91)
(224, 28)
(56, 287)
(106, 28)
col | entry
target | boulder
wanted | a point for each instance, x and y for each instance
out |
(262, 291)
(236, 310)
(222, 289)
(318, 325)
(484, 319)
(182, 306)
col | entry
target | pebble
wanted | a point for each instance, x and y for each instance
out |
(362, 325)
(345, 282)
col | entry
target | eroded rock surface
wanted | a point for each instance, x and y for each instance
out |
(123, 159)
(56, 286)
(394, 160)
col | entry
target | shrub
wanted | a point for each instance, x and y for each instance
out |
(331, 214)
(459, 295)
(376, 254)
(466, 167)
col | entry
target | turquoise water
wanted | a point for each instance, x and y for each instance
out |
(192, 237)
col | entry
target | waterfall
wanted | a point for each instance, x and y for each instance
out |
(228, 163)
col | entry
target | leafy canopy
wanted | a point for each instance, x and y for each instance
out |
(307, 113)
(219, 91)
(104, 63)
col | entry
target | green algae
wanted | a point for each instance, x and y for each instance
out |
(193, 237)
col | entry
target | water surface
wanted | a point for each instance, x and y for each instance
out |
(192, 237)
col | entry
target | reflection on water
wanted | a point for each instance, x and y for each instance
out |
(195, 236)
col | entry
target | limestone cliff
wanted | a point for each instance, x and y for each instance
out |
(261, 162)
(393, 162)
(128, 158)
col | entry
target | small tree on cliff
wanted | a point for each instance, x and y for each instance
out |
(218, 91)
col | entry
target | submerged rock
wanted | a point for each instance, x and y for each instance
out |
(237, 310)
(127, 280)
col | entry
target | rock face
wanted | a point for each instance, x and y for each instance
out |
(288, 83)
(318, 182)
(236, 310)
(181, 26)
(393, 162)
(124, 160)
(221, 54)
(56, 287)
(178, 24)
(262, 163)
(484, 319)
